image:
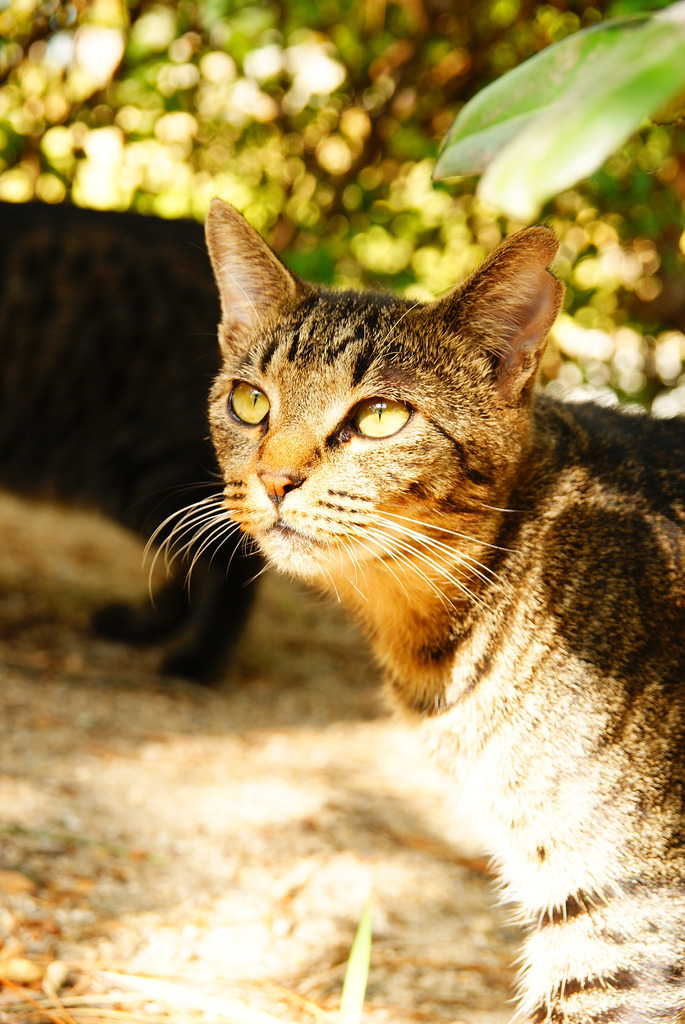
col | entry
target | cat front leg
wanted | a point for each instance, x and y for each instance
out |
(618, 958)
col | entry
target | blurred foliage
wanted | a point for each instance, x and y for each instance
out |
(554, 119)
(321, 120)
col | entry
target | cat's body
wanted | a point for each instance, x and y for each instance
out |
(518, 565)
(566, 734)
(107, 328)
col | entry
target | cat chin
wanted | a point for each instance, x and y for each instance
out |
(292, 552)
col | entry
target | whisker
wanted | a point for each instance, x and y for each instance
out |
(481, 571)
(393, 549)
(244, 541)
(181, 514)
(383, 563)
(199, 512)
(211, 539)
(172, 547)
(444, 529)
(349, 548)
(344, 542)
(407, 549)
(256, 576)
(329, 577)
(407, 563)
(445, 574)
(495, 508)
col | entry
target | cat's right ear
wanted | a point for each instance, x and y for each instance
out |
(508, 306)
(253, 283)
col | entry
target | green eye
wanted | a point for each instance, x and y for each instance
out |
(380, 417)
(249, 403)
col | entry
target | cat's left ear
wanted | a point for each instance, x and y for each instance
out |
(508, 306)
(253, 283)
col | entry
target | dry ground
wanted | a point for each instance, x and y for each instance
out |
(169, 853)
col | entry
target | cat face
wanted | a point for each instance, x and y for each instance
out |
(326, 426)
(352, 426)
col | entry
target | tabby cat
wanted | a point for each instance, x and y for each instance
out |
(517, 563)
(107, 348)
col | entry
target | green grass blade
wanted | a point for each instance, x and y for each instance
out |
(356, 976)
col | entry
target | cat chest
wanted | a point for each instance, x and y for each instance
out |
(520, 752)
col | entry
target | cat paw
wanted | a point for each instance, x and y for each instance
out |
(135, 624)
(117, 622)
(188, 663)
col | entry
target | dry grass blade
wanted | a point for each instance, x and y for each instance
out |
(94, 1008)
(222, 1010)
(178, 1003)
(46, 1011)
(301, 1002)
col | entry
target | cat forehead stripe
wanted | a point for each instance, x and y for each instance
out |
(325, 328)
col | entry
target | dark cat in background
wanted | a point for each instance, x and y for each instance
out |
(107, 349)
(517, 563)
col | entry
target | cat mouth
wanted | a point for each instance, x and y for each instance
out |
(290, 550)
(283, 529)
(284, 532)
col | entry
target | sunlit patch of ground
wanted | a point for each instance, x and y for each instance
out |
(187, 854)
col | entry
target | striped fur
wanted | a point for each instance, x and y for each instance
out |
(517, 564)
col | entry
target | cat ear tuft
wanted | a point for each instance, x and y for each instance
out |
(509, 304)
(253, 283)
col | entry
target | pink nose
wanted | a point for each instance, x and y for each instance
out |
(278, 484)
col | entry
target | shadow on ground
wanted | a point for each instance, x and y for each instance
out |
(226, 837)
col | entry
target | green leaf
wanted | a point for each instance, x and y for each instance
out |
(354, 985)
(502, 109)
(555, 118)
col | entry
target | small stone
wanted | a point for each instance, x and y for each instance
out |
(15, 881)
(20, 970)
(13, 946)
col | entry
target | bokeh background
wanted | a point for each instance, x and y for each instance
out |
(321, 121)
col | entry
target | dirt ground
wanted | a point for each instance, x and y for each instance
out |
(171, 853)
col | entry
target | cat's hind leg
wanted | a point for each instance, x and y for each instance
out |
(201, 622)
(219, 603)
(148, 622)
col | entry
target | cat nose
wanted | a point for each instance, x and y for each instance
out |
(278, 484)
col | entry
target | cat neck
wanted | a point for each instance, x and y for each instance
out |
(432, 635)
(416, 617)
